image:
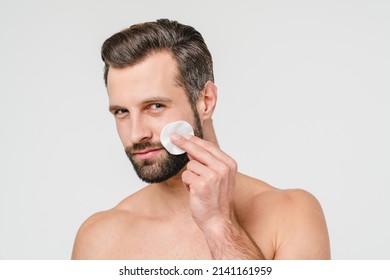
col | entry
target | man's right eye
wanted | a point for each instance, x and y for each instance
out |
(120, 112)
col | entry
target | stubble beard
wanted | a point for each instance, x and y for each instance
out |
(163, 166)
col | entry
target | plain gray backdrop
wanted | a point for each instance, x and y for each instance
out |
(304, 102)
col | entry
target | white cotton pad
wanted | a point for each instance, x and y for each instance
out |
(179, 127)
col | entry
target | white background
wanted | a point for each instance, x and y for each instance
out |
(304, 99)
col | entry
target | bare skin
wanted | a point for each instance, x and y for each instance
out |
(207, 211)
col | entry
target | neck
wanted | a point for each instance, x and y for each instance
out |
(209, 132)
(171, 196)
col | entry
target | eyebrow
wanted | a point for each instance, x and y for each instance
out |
(153, 99)
(113, 108)
(157, 99)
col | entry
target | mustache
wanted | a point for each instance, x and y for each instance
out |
(142, 146)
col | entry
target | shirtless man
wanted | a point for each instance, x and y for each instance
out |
(197, 205)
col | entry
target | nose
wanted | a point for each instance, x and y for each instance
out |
(139, 130)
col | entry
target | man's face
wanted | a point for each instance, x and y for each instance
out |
(144, 98)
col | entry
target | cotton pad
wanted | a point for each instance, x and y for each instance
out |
(179, 127)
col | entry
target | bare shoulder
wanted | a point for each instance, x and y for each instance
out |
(294, 222)
(96, 234)
(296, 200)
(102, 231)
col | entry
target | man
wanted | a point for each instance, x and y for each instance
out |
(197, 205)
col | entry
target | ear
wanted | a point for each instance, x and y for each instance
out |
(207, 100)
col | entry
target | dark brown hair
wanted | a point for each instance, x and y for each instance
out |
(131, 45)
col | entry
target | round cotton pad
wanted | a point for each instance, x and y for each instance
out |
(179, 127)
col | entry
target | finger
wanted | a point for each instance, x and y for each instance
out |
(212, 148)
(189, 177)
(194, 146)
(197, 186)
(194, 150)
(197, 168)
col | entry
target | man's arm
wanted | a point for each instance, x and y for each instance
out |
(293, 216)
(292, 221)
(210, 178)
(94, 238)
(228, 240)
(302, 230)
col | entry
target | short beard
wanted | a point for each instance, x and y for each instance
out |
(164, 166)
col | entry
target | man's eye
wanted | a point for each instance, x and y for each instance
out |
(119, 112)
(156, 106)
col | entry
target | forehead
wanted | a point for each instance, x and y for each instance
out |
(156, 74)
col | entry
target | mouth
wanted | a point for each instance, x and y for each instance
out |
(148, 153)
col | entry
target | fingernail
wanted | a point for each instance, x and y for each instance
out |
(175, 136)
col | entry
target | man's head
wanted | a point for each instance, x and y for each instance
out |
(134, 44)
(156, 73)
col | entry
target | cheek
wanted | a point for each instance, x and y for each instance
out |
(179, 117)
(186, 114)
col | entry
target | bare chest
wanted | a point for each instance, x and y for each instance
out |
(158, 240)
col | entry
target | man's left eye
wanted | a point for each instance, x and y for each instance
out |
(156, 106)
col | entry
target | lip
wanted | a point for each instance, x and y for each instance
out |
(147, 154)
